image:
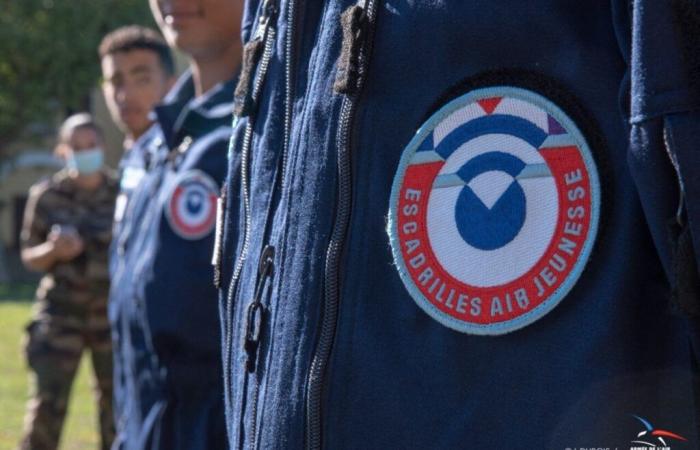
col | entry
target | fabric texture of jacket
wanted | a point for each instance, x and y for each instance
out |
(554, 137)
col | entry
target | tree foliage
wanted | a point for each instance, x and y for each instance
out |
(48, 55)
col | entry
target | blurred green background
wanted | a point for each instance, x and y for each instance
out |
(48, 56)
(49, 68)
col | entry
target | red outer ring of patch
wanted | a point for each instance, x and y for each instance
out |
(561, 160)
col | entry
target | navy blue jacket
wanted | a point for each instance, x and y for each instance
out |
(463, 225)
(163, 308)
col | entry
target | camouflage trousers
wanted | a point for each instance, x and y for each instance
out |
(53, 349)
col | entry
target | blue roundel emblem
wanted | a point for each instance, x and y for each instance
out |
(494, 210)
(191, 206)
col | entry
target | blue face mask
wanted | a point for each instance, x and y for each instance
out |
(86, 162)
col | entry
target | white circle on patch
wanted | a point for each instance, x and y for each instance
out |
(515, 258)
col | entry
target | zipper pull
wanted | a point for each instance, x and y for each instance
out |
(266, 266)
(256, 313)
(269, 11)
(354, 23)
(254, 324)
(243, 102)
(219, 236)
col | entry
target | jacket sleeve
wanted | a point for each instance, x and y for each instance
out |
(663, 156)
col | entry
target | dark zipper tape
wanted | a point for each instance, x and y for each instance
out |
(356, 20)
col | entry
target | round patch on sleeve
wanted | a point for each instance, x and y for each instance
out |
(191, 206)
(494, 210)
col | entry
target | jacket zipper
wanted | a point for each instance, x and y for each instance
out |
(255, 320)
(256, 312)
(266, 32)
(316, 378)
(288, 71)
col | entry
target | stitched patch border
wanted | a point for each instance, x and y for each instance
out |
(525, 152)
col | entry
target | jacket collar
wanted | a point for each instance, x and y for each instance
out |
(181, 114)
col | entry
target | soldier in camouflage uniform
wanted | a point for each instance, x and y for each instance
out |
(66, 234)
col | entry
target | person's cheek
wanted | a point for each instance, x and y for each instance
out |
(146, 93)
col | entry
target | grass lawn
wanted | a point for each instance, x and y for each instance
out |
(80, 432)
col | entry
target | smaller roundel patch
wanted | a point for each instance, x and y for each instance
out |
(191, 206)
(494, 210)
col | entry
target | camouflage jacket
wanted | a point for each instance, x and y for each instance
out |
(59, 201)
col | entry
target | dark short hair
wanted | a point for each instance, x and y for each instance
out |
(77, 121)
(136, 37)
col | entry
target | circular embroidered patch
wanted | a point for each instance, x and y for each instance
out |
(494, 210)
(191, 207)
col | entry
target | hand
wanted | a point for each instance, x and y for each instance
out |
(67, 243)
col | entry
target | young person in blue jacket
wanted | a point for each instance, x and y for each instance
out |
(463, 225)
(163, 306)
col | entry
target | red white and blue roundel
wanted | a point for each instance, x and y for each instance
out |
(191, 206)
(494, 210)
